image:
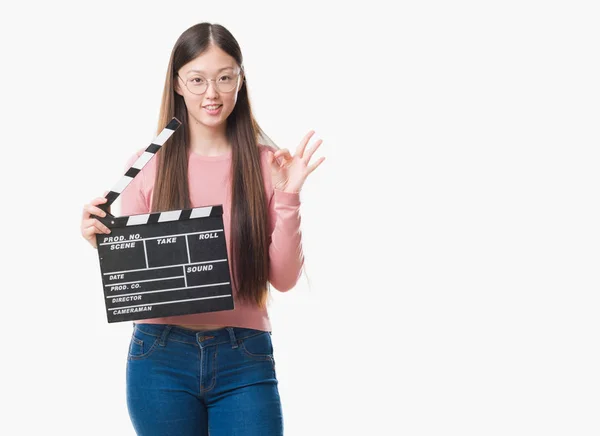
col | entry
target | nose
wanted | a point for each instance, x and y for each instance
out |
(211, 90)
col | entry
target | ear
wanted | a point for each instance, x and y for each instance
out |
(177, 85)
(242, 78)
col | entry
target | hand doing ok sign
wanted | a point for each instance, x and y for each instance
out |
(288, 172)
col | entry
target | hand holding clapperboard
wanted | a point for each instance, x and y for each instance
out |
(166, 263)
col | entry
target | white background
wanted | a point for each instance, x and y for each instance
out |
(451, 235)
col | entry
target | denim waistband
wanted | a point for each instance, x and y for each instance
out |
(203, 338)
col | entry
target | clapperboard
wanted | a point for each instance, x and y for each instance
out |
(166, 263)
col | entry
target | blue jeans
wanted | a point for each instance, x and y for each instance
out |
(187, 382)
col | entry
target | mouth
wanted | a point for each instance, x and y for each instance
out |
(213, 109)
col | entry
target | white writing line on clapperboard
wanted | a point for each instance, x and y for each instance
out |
(142, 281)
(187, 246)
(121, 239)
(169, 302)
(146, 254)
(165, 266)
(166, 290)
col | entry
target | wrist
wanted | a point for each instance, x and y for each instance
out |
(286, 197)
(288, 190)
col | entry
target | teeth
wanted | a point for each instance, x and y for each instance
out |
(212, 108)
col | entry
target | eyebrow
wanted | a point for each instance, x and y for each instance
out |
(201, 71)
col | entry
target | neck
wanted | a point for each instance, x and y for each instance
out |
(208, 141)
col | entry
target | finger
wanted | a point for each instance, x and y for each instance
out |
(302, 145)
(274, 163)
(85, 214)
(92, 222)
(90, 209)
(312, 150)
(101, 227)
(87, 223)
(87, 208)
(95, 225)
(314, 166)
(283, 156)
(99, 200)
(282, 152)
(102, 200)
(89, 232)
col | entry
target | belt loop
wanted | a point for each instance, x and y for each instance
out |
(232, 337)
(165, 334)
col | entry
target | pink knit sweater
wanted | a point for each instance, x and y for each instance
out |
(209, 183)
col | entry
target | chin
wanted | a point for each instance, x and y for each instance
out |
(207, 121)
(212, 123)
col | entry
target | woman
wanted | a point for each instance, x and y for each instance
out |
(214, 372)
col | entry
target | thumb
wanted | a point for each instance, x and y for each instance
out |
(273, 162)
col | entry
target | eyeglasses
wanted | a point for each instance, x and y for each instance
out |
(224, 83)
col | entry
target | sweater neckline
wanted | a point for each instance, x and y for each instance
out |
(199, 157)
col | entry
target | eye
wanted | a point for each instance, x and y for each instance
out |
(197, 80)
(225, 78)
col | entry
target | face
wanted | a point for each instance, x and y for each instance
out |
(217, 69)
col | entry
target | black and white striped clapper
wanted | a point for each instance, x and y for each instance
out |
(166, 263)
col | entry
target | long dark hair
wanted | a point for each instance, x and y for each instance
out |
(248, 230)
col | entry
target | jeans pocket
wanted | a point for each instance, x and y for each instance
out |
(258, 347)
(142, 344)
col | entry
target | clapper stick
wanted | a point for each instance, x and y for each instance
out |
(140, 163)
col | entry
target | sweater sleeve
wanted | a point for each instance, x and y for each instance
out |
(286, 257)
(133, 199)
